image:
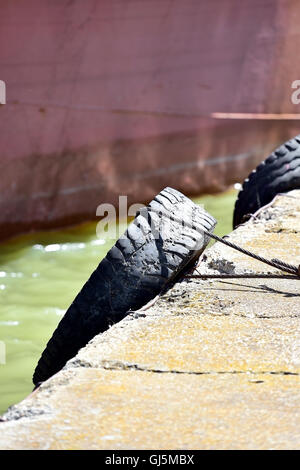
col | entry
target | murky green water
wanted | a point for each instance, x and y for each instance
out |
(40, 275)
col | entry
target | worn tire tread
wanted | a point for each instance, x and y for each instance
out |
(280, 172)
(134, 271)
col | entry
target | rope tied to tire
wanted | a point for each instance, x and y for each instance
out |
(293, 270)
(153, 253)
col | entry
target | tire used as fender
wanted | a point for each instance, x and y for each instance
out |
(279, 173)
(154, 250)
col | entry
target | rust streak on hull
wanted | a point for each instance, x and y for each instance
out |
(107, 98)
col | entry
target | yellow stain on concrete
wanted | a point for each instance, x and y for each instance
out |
(143, 410)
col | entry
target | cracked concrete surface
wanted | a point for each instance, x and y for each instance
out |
(211, 365)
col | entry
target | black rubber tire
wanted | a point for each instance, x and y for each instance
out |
(279, 173)
(134, 271)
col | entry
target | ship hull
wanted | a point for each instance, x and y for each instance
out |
(112, 98)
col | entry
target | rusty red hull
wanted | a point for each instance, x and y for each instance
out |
(115, 97)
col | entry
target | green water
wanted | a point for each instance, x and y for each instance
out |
(40, 274)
